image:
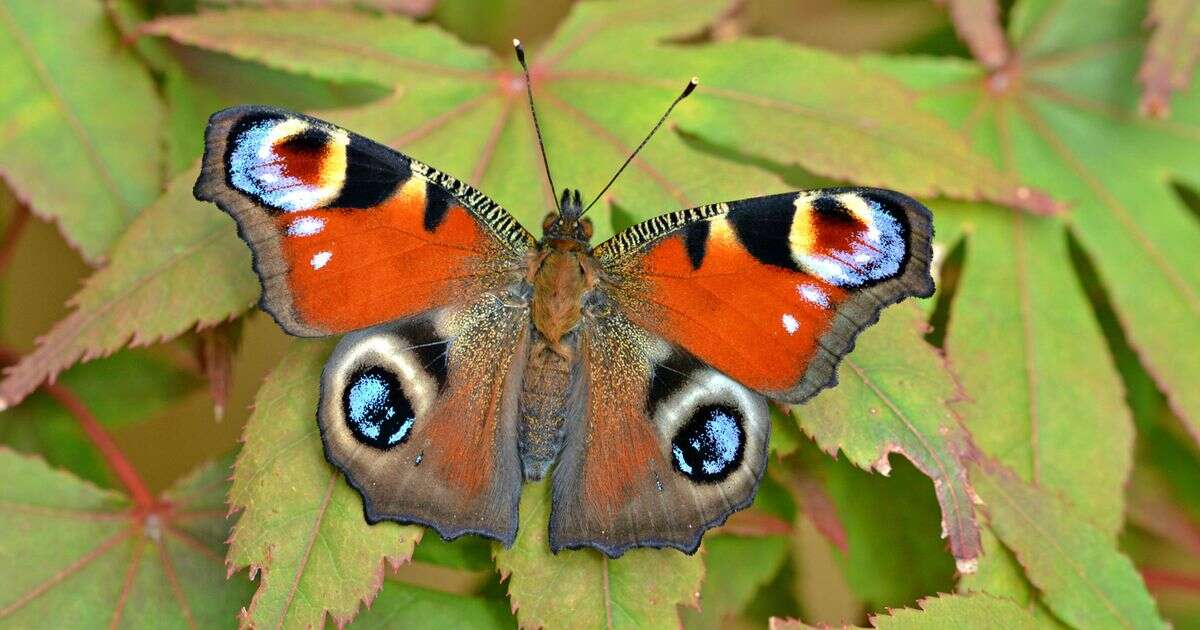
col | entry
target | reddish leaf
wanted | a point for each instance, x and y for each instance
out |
(1171, 54)
(978, 24)
(74, 553)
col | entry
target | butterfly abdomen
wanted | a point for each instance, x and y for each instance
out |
(549, 395)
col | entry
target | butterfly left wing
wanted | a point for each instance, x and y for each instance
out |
(345, 232)
(772, 291)
(699, 317)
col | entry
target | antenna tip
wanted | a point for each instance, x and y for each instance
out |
(520, 51)
(691, 86)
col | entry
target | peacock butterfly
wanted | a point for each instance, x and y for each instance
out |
(476, 357)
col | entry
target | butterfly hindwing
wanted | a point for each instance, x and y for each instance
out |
(347, 233)
(666, 447)
(772, 291)
(421, 417)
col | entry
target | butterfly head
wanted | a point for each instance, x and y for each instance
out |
(568, 224)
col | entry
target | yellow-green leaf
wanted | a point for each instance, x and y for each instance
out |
(891, 398)
(80, 147)
(302, 529)
(584, 588)
(1082, 577)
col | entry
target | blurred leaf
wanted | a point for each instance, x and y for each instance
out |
(892, 399)
(80, 147)
(1171, 53)
(893, 553)
(198, 83)
(1081, 575)
(944, 611)
(471, 553)
(978, 24)
(77, 556)
(639, 589)
(401, 605)
(302, 525)
(125, 388)
(403, 7)
(214, 348)
(179, 265)
(1064, 119)
(735, 569)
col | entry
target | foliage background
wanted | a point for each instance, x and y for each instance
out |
(1048, 390)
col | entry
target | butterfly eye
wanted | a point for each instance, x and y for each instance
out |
(378, 412)
(709, 446)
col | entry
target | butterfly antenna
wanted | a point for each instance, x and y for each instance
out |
(533, 111)
(691, 86)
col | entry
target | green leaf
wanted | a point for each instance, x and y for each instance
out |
(958, 611)
(944, 611)
(123, 389)
(1063, 118)
(80, 147)
(639, 589)
(75, 555)
(1029, 398)
(198, 83)
(178, 265)
(1171, 53)
(1080, 573)
(892, 399)
(302, 526)
(401, 605)
(736, 568)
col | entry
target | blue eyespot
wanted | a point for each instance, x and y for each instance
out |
(709, 447)
(378, 412)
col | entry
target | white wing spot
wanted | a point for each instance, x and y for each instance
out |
(305, 226)
(790, 324)
(813, 294)
(320, 258)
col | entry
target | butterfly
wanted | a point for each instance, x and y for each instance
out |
(475, 357)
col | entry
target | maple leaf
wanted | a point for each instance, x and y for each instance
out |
(302, 526)
(891, 398)
(76, 554)
(978, 24)
(1063, 117)
(943, 611)
(639, 589)
(70, 148)
(1081, 576)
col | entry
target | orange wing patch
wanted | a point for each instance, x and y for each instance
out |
(350, 269)
(736, 313)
